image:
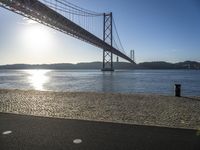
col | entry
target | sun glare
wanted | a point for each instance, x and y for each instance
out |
(36, 38)
(37, 78)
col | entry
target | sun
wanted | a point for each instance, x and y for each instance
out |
(37, 38)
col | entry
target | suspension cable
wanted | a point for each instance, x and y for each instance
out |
(72, 9)
(118, 36)
(75, 10)
(64, 2)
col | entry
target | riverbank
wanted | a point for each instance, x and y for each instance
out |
(155, 110)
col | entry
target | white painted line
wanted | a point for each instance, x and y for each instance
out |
(7, 132)
(77, 141)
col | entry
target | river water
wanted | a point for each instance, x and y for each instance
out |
(120, 81)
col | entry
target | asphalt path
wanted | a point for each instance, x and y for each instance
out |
(21, 132)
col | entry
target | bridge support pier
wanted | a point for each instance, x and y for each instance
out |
(107, 37)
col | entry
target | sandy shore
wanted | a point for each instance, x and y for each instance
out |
(140, 109)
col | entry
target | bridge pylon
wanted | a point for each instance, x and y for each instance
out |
(107, 37)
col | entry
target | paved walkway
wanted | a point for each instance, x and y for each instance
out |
(20, 132)
(140, 109)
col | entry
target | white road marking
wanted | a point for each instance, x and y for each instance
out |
(6, 132)
(77, 141)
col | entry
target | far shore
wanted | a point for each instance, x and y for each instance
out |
(140, 109)
(194, 65)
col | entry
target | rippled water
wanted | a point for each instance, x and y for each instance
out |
(135, 81)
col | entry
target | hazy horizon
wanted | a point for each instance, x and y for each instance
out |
(94, 62)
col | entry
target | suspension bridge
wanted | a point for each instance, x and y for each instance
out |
(75, 21)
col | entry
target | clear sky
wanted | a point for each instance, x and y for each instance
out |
(158, 30)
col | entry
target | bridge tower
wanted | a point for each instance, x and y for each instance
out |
(107, 37)
(132, 55)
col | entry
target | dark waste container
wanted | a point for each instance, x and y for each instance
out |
(177, 90)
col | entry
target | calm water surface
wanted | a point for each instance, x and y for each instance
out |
(134, 81)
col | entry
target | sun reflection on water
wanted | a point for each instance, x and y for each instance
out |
(38, 78)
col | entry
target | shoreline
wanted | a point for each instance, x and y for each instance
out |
(138, 109)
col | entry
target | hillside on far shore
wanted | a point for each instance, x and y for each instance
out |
(117, 65)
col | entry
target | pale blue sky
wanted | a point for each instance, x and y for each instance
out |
(158, 30)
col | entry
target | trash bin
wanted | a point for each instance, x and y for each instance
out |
(177, 90)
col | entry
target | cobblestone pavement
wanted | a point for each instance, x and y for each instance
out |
(156, 110)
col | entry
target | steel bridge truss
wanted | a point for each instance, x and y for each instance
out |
(35, 10)
(107, 37)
